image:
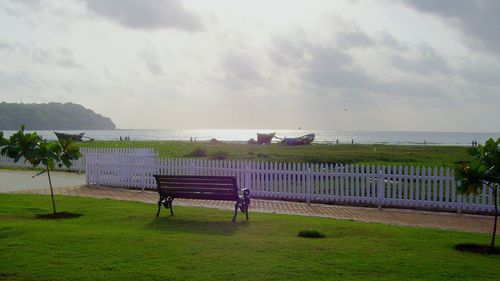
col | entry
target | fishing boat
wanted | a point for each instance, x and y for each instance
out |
(265, 138)
(306, 139)
(74, 137)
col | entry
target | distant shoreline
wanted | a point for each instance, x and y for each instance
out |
(322, 137)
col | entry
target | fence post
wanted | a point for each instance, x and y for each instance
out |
(456, 198)
(381, 186)
(308, 183)
(87, 171)
(143, 173)
(459, 204)
(97, 167)
(247, 176)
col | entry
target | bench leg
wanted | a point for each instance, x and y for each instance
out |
(159, 206)
(170, 205)
(236, 205)
(247, 204)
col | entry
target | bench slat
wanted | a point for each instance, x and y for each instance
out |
(203, 181)
(197, 185)
(209, 178)
(197, 189)
(194, 177)
(209, 196)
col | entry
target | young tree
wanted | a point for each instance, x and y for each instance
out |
(483, 170)
(36, 151)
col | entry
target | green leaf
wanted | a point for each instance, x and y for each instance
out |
(484, 169)
(51, 163)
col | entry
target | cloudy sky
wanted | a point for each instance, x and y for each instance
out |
(346, 65)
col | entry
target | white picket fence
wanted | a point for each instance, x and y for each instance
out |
(123, 167)
(407, 187)
(391, 186)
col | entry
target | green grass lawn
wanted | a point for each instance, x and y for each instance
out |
(116, 240)
(449, 156)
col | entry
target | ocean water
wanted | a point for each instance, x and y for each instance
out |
(328, 137)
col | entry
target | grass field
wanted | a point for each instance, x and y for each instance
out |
(448, 156)
(116, 240)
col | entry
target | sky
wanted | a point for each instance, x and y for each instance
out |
(377, 65)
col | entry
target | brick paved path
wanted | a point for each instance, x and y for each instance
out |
(462, 222)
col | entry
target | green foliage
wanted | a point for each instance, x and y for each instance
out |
(483, 169)
(3, 141)
(197, 152)
(68, 116)
(118, 240)
(220, 155)
(36, 151)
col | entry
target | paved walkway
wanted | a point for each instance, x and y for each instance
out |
(14, 180)
(462, 222)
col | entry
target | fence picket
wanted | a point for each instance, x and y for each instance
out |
(420, 187)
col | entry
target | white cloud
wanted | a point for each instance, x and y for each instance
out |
(253, 64)
(241, 67)
(151, 60)
(425, 61)
(476, 19)
(151, 14)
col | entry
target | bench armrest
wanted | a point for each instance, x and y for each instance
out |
(246, 192)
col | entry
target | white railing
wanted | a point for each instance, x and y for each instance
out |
(120, 167)
(407, 187)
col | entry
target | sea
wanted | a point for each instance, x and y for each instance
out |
(322, 136)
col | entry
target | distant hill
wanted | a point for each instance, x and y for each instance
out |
(51, 116)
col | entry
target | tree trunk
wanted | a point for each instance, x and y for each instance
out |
(51, 191)
(495, 191)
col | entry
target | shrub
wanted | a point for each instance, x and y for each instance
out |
(220, 155)
(197, 152)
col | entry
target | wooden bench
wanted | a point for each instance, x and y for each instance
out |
(201, 187)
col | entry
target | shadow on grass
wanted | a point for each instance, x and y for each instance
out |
(57, 216)
(176, 224)
(311, 234)
(478, 249)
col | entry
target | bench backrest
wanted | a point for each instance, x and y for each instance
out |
(198, 187)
